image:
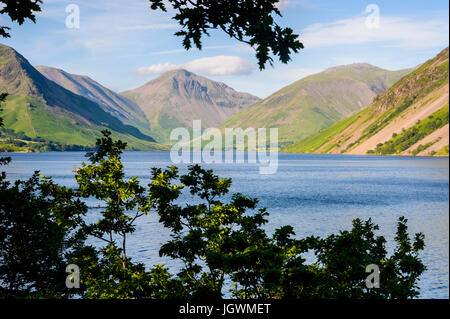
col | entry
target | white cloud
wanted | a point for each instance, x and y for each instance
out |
(395, 31)
(218, 65)
(156, 68)
(284, 4)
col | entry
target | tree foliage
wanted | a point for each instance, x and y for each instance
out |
(18, 11)
(251, 22)
(222, 245)
(226, 242)
(34, 247)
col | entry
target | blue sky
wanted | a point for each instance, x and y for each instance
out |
(123, 44)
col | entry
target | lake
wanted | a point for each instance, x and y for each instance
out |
(316, 194)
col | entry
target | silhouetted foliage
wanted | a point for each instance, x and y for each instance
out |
(251, 22)
(219, 241)
(342, 260)
(221, 244)
(3, 97)
(33, 245)
(18, 11)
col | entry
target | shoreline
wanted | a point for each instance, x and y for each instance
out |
(155, 151)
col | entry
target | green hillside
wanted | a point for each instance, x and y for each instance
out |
(408, 137)
(40, 108)
(317, 101)
(413, 108)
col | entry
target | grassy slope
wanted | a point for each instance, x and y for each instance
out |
(316, 102)
(312, 143)
(40, 107)
(393, 104)
(122, 108)
(443, 151)
(401, 142)
(58, 125)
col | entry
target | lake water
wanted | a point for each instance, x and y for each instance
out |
(316, 194)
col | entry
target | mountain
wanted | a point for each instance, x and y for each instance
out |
(39, 107)
(124, 109)
(410, 118)
(317, 101)
(178, 97)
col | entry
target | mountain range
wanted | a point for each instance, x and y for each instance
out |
(40, 108)
(410, 118)
(117, 105)
(317, 101)
(178, 97)
(350, 109)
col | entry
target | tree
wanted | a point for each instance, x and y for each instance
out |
(35, 243)
(32, 243)
(251, 22)
(217, 241)
(342, 260)
(3, 96)
(107, 271)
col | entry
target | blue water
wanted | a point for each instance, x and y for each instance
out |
(316, 194)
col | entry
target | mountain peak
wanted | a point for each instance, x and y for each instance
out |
(356, 67)
(47, 70)
(52, 101)
(7, 49)
(16, 73)
(180, 71)
(317, 101)
(177, 97)
(122, 108)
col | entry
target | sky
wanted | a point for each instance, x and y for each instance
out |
(124, 44)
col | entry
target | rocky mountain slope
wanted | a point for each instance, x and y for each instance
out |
(410, 118)
(178, 97)
(124, 109)
(41, 108)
